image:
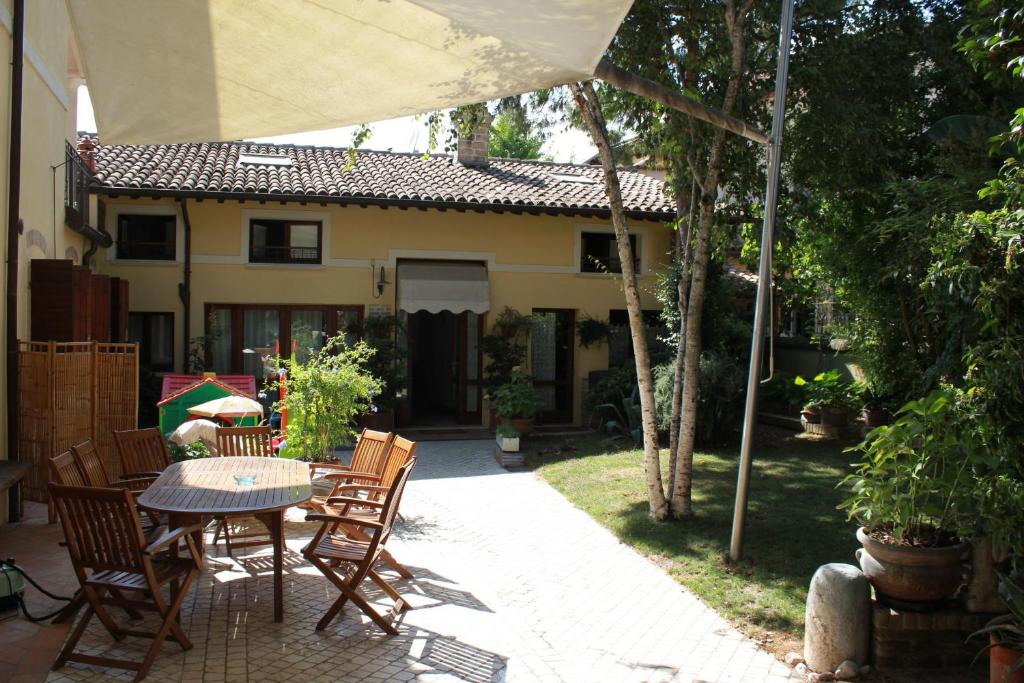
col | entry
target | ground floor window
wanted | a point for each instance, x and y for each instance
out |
(552, 343)
(154, 333)
(245, 338)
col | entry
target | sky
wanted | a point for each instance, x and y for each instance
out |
(406, 134)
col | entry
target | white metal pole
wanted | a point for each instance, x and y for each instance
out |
(763, 281)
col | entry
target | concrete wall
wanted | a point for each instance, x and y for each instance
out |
(48, 119)
(533, 261)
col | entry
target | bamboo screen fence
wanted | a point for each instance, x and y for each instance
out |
(69, 392)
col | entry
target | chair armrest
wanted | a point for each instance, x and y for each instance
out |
(140, 475)
(314, 466)
(328, 518)
(362, 487)
(135, 484)
(170, 537)
(369, 476)
(358, 502)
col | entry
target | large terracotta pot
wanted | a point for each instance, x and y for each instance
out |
(522, 425)
(911, 575)
(1001, 661)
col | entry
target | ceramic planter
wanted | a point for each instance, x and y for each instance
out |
(919, 576)
(1001, 661)
(508, 444)
(524, 426)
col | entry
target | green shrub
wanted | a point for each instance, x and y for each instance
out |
(720, 403)
(516, 399)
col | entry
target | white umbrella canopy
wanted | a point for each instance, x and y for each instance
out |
(199, 70)
(228, 406)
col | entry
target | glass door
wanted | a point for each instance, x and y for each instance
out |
(552, 342)
(468, 332)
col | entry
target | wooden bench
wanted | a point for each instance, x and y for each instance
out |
(11, 474)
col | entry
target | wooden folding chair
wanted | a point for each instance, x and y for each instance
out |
(143, 452)
(367, 459)
(237, 442)
(110, 556)
(88, 459)
(329, 551)
(64, 470)
(372, 488)
(252, 441)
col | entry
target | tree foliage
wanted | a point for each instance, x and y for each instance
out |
(514, 137)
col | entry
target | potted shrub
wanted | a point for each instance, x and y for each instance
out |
(831, 395)
(326, 393)
(913, 493)
(508, 439)
(505, 355)
(1006, 636)
(873, 404)
(516, 403)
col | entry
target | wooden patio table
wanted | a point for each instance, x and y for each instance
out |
(190, 490)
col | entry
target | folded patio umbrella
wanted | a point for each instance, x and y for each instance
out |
(228, 406)
(199, 70)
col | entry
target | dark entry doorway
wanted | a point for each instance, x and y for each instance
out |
(444, 368)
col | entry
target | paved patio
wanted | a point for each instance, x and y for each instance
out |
(511, 584)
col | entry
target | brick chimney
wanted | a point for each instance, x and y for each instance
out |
(87, 151)
(471, 150)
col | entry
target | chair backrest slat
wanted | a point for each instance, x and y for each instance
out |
(402, 451)
(142, 450)
(389, 511)
(92, 465)
(101, 527)
(236, 441)
(64, 470)
(370, 451)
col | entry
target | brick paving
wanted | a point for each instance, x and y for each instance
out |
(511, 583)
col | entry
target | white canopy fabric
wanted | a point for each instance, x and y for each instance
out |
(205, 70)
(438, 286)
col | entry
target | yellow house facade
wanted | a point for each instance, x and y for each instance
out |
(50, 78)
(444, 244)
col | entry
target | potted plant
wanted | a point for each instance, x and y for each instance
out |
(592, 331)
(873, 404)
(913, 494)
(516, 402)
(325, 395)
(830, 395)
(505, 354)
(1006, 636)
(511, 323)
(508, 439)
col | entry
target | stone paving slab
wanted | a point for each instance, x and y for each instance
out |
(511, 583)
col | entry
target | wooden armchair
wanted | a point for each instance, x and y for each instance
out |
(143, 452)
(251, 441)
(239, 442)
(329, 551)
(88, 459)
(110, 556)
(360, 500)
(64, 470)
(367, 459)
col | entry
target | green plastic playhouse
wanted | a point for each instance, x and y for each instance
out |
(173, 407)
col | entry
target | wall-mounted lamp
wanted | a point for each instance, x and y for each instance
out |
(382, 282)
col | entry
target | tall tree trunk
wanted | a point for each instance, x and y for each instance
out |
(681, 499)
(683, 235)
(590, 108)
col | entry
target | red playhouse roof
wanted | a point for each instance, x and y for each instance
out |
(175, 386)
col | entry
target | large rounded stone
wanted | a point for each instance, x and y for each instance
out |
(838, 617)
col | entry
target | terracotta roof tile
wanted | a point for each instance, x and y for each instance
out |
(320, 173)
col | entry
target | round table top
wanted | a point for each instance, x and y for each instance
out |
(207, 486)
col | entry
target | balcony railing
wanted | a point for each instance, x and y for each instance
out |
(275, 254)
(76, 188)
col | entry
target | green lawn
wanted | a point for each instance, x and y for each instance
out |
(792, 524)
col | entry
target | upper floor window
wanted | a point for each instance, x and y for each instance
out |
(146, 236)
(274, 241)
(600, 254)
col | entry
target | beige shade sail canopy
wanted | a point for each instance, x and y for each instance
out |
(436, 286)
(204, 70)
